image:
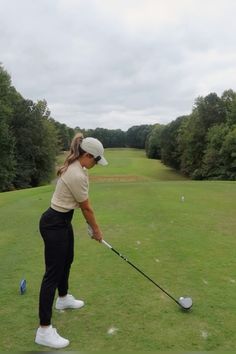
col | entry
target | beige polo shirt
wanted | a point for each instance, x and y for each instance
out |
(71, 189)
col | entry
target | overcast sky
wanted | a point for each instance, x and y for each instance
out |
(118, 63)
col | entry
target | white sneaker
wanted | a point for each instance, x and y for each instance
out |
(68, 302)
(50, 338)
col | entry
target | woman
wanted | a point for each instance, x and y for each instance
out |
(55, 227)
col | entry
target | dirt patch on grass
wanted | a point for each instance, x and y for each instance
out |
(118, 178)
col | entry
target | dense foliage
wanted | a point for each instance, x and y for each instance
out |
(203, 144)
(28, 139)
(110, 137)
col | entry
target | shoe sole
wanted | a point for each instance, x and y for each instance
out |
(50, 346)
(68, 307)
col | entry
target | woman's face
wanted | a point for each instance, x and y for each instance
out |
(87, 161)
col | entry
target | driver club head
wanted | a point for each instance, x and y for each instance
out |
(185, 302)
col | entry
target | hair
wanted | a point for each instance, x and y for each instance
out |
(74, 153)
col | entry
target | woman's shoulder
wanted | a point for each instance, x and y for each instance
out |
(75, 171)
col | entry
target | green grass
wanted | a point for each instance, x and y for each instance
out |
(187, 247)
(130, 165)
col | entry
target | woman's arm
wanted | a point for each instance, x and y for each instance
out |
(90, 218)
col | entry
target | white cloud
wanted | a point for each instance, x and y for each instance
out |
(117, 63)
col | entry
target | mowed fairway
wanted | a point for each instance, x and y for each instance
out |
(188, 247)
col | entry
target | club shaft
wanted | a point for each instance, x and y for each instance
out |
(141, 272)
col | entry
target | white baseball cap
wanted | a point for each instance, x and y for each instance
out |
(94, 147)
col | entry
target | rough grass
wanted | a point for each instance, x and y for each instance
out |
(187, 247)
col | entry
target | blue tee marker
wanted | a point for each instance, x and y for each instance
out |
(22, 286)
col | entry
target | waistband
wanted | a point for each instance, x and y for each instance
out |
(66, 215)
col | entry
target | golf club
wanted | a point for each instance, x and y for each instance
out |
(184, 302)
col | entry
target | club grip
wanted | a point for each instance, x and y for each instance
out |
(106, 244)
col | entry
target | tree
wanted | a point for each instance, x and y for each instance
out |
(213, 166)
(211, 110)
(65, 135)
(228, 152)
(45, 144)
(36, 143)
(25, 129)
(228, 98)
(136, 136)
(109, 137)
(28, 139)
(170, 151)
(219, 161)
(191, 140)
(153, 142)
(231, 112)
(46, 149)
(7, 158)
(7, 141)
(207, 112)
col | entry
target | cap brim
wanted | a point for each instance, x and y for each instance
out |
(102, 161)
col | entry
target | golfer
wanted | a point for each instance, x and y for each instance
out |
(56, 230)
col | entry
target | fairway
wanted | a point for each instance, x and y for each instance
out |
(180, 232)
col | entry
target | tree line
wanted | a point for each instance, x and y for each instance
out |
(30, 139)
(201, 145)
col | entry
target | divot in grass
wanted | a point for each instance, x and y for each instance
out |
(205, 281)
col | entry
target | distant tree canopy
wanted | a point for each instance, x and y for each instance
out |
(137, 135)
(110, 137)
(153, 142)
(201, 145)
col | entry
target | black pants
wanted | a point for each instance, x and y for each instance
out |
(58, 237)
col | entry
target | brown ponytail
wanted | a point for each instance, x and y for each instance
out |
(75, 152)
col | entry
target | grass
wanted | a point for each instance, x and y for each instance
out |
(187, 247)
(127, 165)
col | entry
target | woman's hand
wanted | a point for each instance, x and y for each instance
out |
(92, 233)
(97, 234)
(93, 228)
